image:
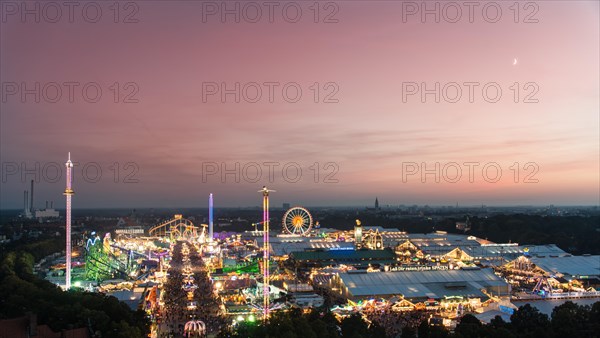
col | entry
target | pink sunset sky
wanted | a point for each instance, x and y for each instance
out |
(371, 134)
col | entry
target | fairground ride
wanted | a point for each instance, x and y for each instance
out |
(105, 260)
(179, 228)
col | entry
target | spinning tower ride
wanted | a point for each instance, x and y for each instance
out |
(68, 193)
(265, 192)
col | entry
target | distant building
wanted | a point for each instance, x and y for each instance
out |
(286, 206)
(369, 239)
(464, 226)
(135, 230)
(358, 234)
(127, 225)
(284, 245)
(27, 326)
(563, 266)
(46, 213)
(126, 222)
(376, 204)
(420, 285)
(373, 240)
(350, 257)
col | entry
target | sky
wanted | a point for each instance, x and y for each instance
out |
(347, 108)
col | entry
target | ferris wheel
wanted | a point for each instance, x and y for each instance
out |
(297, 221)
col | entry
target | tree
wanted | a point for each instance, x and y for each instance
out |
(354, 326)
(409, 332)
(21, 291)
(423, 330)
(498, 322)
(469, 326)
(570, 319)
(438, 332)
(528, 321)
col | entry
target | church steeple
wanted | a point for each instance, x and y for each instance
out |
(376, 204)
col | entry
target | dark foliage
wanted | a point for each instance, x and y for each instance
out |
(568, 320)
(22, 292)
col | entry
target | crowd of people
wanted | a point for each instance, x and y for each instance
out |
(393, 322)
(188, 296)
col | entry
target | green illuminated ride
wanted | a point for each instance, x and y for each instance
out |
(241, 268)
(103, 261)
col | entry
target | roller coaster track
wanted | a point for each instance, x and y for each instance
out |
(133, 252)
(176, 229)
(114, 265)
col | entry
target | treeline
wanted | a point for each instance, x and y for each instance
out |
(295, 324)
(38, 247)
(567, 320)
(574, 234)
(21, 292)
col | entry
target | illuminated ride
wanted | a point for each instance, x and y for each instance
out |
(247, 266)
(189, 287)
(105, 260)
(297, 221)
(68, 195)
(266, 290)
(194, 328)
(543, 287)
(179, 228)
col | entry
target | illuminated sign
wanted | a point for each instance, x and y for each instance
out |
(341, 248)
(419, 268)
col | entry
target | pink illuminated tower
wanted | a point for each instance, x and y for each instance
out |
(68, 193)
(210, 218)
(265, 192)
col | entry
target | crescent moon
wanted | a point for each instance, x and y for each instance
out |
(515, 62)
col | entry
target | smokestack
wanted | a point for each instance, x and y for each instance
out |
(31, 199)
(210, 217)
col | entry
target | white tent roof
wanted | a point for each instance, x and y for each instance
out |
(569, 265)
(421, 284)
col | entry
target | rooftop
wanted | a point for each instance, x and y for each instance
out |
(569, 265)
(343, 255)
(422, 284)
